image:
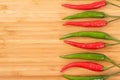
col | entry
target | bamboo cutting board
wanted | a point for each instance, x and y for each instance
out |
(30, 45)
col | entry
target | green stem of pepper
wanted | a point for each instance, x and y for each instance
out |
(107, 45)
(113, 20)
(115, 40)
(112, 16)
(112, 4)
(109, 60)
(107, 68)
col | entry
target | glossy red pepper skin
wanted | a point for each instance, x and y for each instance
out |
(87, 65)
(94, 5)
(88, 24)
(96, 45)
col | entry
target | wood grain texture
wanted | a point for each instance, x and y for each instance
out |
(29, 39)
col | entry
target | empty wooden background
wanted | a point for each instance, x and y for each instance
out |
(29, 39)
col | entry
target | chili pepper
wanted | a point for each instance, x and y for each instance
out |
(92, 46)
(90, 34)
(90, 56)
(102, 77)
(94, 5)
(89, 14)
(95, 24)
(87, 65)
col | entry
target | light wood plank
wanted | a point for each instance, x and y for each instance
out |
(29, 39)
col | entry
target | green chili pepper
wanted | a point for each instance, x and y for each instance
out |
(90, 56)
(89, 14)
(91, 34)
(103, 77)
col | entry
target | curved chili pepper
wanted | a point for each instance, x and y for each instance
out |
(102, 77)
(87, 65)
(95, 24)
(94, 5)
(92, 46)
(90, 34)
(90, 56)
(89, 14)
(89, 24)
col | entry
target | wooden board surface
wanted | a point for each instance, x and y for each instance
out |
(29, 39)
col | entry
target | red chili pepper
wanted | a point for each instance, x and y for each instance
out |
(95, 45)
(94, 5)
(95, 24)
(88, 65)
(89, 24)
